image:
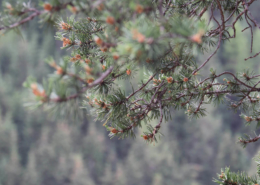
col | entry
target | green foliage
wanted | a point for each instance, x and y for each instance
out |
(109, 42)
(227, 177)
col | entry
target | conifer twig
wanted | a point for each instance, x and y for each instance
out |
(32, 16)
(35, 14)
(96, 82)
(250, 140)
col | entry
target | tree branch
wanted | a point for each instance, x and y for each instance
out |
(96, 82)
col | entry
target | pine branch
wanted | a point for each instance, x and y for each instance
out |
(246, 141)
(27, 19)
(35, 13)
(83, 90)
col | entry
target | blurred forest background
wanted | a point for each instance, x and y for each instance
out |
(37, 149)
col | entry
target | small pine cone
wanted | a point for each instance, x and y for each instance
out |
(140, 38)
(195, 74)
(78, 56)
(74, 10)
(114, 131)
(222, 175)
(89, 81)
(115, 57)
(34, 86)
(88, 69)
(128, 72)
(103, 67)
(169, 80)
(248, 119)
(36, 92)
(66, 41)
(59, 70)
(65, 26)
(73, 59)
(47, 6)
(87, 61)
(155, 81)
(110, 20)
(185, 79)
(139, 8)
(103, 49)
(100, 7)
(196, 38)
(9, 6)
(145, 137)
(98, 41)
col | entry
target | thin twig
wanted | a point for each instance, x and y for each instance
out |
(96, 82)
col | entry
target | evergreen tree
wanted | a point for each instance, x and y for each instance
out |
(111, 40)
